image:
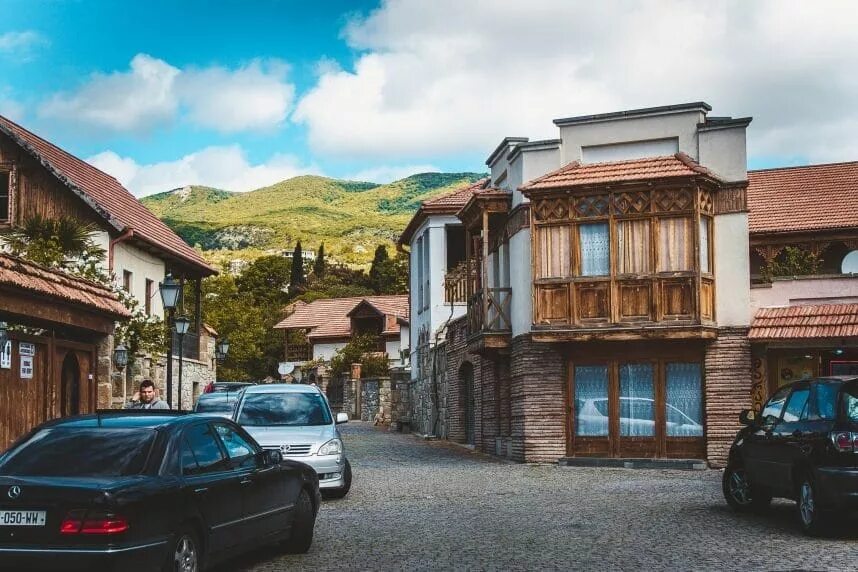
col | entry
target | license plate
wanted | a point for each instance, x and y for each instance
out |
(22, 517)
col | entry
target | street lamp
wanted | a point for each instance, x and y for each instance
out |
(120, 356)
(222, 348)
(182, 323)
(170, 289)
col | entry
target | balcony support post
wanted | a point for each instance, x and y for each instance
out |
(485, 265)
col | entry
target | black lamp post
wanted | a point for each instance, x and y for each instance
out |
(170, 289)
(182, 323)
(222, 349)
(120, 356)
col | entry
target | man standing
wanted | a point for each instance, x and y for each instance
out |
(145, 398)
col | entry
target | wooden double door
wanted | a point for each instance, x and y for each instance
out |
(631, 401)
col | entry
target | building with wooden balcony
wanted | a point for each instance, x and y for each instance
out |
(608, 292)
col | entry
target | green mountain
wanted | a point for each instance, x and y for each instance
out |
(350, 217)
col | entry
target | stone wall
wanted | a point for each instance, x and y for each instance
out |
(427, 395)
(400, 399)
(728, 387)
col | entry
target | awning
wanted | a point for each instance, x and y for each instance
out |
(803, 322)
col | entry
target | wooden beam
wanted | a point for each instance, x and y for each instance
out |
(631, 334)
(485, 266)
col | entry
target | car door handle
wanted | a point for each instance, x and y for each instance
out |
(201, 490)
(246, 481)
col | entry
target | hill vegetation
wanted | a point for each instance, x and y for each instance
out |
(351, 218)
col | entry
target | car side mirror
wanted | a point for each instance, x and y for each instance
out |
(342, 418)
(748, 417)
(273, 457)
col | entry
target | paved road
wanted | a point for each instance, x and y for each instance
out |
(418, 505)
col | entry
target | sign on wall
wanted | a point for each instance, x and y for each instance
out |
(26, 349)
(26, 367)
(6, 356)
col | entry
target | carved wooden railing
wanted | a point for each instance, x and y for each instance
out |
(493, 316)
(456, 283)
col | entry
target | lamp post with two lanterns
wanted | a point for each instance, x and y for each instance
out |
(170, 290)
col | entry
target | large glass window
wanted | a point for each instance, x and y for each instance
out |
(595, 249)
(675, 244)
(554, 259)
(633, 247)
(637, 400)
(684, 400)
(591, 401)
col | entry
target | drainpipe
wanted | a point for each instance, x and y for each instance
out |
(127, 234)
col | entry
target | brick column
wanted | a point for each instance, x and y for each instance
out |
(728, 387)
(538, 376)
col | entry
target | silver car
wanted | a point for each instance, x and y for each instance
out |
(297, 421)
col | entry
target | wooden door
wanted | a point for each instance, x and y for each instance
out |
(25, 392)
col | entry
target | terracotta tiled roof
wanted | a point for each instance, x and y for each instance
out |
(576, 173)
(449, 204)
(330, 318)
(23, 275)
(795, 199)
(105, 195)
(799, 322)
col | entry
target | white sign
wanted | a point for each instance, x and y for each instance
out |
(26, 367)
(6, 356)
(26, 349)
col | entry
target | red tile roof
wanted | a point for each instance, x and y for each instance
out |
(329, 318)
(23, 275)
(447, 204)
(800, 322)
(807, 198)
(576, 173)
(106, 196)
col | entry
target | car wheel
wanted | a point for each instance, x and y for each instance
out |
(343, 490)
(740, 494)
(303, 521)
(186, 555)
(814, 521)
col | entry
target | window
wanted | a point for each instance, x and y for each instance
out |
(5, 196)
(826, 400)
(554, 258)
(150, 286)
(419, 264)
(637, 400)
(240, 452)
(684, 400)
(796, 406)
(206, 450)
(772, 410)
(595, 249)
(426, 271)
(189, 462)
(633, 247)
(705, 265)
(455, 246)
(284, 409)
(127, 277)
(591, 401)
(675, 244)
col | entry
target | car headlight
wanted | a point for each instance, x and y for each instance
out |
(332, 447)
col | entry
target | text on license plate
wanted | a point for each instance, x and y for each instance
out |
(22, 517)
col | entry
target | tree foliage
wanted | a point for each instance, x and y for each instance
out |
(319, 264)
(361, 349)
(296, 282)
(267, 280)
(793, 261)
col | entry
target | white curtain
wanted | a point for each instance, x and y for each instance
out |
(684, 400)
(637, 400)
(633, 247)
(591, 401)
(595, 249)
(704, 244)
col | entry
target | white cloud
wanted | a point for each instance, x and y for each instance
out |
(447, 76)
(389, 173)
(152, 92)
(23, 44)
(11, 108)
(224, 167)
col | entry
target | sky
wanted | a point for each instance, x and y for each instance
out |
(242, 94)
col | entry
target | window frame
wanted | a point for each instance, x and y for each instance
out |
(9, 169)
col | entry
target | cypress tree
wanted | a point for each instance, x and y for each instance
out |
(296, 280)
(319, 265)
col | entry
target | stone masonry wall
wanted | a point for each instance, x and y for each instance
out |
(538, 372)
(728, 387)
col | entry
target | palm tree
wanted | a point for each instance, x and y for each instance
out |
(55, 242)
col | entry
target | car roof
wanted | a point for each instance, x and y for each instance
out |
(127, 419)
(282, 388)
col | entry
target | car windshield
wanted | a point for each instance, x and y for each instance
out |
(284, 409)
(213, 403)
(75, 452)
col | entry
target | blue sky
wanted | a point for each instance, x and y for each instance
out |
(242, 94)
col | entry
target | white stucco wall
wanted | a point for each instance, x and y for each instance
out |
(521, 281)
(325, 351)
(631, 150)
(682, 125)
(724, 151)
(806, 291)
(392, 349)
(142, 265)
(732, 270)
(405, 342)
(102, 239)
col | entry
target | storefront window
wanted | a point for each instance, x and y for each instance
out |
(684, 400)
(637, 400)
(591, 401)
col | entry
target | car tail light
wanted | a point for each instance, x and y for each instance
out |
(94, 523)
(843, 441)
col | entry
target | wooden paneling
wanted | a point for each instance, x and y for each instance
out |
(552, 302)
(24, 403)
(731, 200)
(635, 301)
(592, 301)
(707, 300)
(677, 299)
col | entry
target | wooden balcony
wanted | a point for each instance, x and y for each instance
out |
(489, 324)
(456, 284)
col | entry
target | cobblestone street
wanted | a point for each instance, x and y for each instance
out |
(418, 505)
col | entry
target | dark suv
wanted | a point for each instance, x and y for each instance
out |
(802, 446)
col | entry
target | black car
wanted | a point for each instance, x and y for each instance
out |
(217, 403)
(147, 490)
(802, 446)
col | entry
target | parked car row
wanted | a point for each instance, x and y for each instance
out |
(161, 490)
